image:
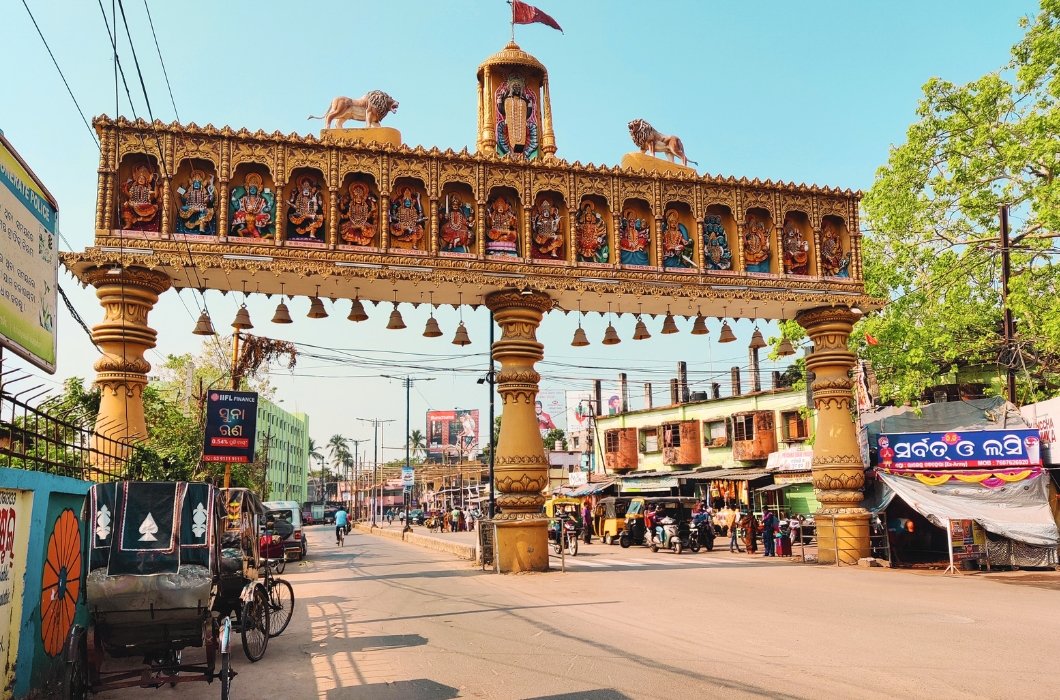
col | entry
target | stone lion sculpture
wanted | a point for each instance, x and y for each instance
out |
(370, 109)
(649, 140)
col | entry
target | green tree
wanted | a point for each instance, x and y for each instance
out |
(417, 444)
(552, 437)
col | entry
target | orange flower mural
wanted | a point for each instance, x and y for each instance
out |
(61, 583)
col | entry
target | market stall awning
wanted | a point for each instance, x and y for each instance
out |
(589, 489)
(727, 475)
(773, 487)
(1017, 508)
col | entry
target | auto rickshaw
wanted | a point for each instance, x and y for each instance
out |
(609, 518)
(633, 531)
(560, 505)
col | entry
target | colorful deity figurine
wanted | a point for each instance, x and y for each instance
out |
(502, 233)
(755, 245)
(197, 205)
(834, 263)
(457, 225)
(357, 215)
(251, 209)
(516, 115)
(717, 254)
(676, 243)
(406, 220)
(547, 238)
(796, 249)
(139, 210)
(590, 234)
(633, 239)
(305, 211)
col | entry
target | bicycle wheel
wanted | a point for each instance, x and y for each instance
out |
(281, 606)
(281, 564)
(226, 676)
(255, 625)
(75, 678)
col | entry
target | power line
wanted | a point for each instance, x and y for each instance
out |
(113, 36)
(56, 64)
(160, 60)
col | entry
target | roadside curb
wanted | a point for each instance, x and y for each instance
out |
(463, 551)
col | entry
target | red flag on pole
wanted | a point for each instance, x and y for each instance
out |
(528, 14)
(870, 340)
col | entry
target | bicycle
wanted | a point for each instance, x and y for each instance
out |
(281, 600)
(340, 535)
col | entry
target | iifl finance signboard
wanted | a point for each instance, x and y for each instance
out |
(29, 266)
(231, 424)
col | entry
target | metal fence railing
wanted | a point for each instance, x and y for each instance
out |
(487, 544)
(838, 545)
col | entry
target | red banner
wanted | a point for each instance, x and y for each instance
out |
(528, 14)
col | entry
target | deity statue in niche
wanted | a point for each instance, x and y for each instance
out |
(197, 205)
(516, 116)
(547, 238)
(305, 211)
(457, 225)
(633, 239)
(406, 220)
(357, 215)
(676, 243)
(590, 234)
(139, 210)
(718, 255)
(796, 249)
(502, 228)
(755, 244)
(834, 262)
(252, 209)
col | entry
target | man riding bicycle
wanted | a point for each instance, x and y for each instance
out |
(341, 521)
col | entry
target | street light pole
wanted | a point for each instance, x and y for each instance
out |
(493, 447)
(375, 442)
(407, 379)
(356, 475)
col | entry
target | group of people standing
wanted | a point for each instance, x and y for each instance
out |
(737, 523)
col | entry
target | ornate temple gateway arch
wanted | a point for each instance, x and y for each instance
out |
(356, 214)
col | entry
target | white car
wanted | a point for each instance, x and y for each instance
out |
(294, 545)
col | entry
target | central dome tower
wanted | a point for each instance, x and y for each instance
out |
(514, 110)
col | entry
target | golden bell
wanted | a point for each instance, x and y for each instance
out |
(757, 341)
(204, 326)
(432, 330)
(700, 326)
(727, 336)
(641, 331)
(316, 309)
(282, 315)
(611, 336)
(357, 312)
(242, 320)
(580, 340)
(461, 337)
(669, 326)
(395, 323)
(785, 349)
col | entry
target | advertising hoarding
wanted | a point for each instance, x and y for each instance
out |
(231, 426)
(961, 449)
(579, 410)
(453, 433)
(551, 408)
(29, 265)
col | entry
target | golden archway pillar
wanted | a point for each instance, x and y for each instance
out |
(838, 472)
(520, 466)
(127, 296)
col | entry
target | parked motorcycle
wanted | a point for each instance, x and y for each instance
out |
(676, 536)
(704, 536)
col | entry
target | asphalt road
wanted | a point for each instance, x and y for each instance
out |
(383, 620)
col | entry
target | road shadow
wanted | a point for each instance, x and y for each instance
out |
(378, 642)
(599, 694)
(419, 689)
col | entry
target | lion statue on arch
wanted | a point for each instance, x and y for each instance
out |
(649, 140)
(370, 109)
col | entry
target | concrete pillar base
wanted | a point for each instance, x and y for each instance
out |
(522, 545)
(842, 535)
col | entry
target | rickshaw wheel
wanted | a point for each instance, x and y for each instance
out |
(281, 564)
(255, 627)
(608, 539)
(624, 541)
(226, 680)
(75, 678)
(281, 606)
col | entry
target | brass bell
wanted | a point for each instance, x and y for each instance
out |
(699, 327)
(316, 309)
(669, 325)
(580, 340)
(461, 337)
(432, 330)
(727, 336)
(282, 315)
(757, 341)
(242, 320)
(395, 323)
(611, 336)
(204, 326)
(641, 331)
(786, 349)
(357, 312)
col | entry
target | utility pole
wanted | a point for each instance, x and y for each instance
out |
(492, 379)
(407, 379)
(376, 423)
(1010, 331)
(356, 476)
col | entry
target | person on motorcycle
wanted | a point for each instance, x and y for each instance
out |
(341, 521)
(649, 522)
(661, 524)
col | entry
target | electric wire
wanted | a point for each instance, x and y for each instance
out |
(160, 60)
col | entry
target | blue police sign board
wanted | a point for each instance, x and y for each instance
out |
(961, 449)
(231, 425)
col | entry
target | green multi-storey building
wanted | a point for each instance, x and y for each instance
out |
(285, 436)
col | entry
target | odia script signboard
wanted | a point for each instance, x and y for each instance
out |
(961, 449)
(231, 422)
(28, 262)
(15, 508)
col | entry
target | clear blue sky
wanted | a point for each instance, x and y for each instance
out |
(811, 92)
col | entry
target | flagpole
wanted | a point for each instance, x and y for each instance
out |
(512, 4)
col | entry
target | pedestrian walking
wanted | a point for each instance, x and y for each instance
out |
(750, 533)
(769, 541)
(730, 523)
(587, 521)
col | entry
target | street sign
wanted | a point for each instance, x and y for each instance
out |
(959, 450)
(231, 424)
(408, 477)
